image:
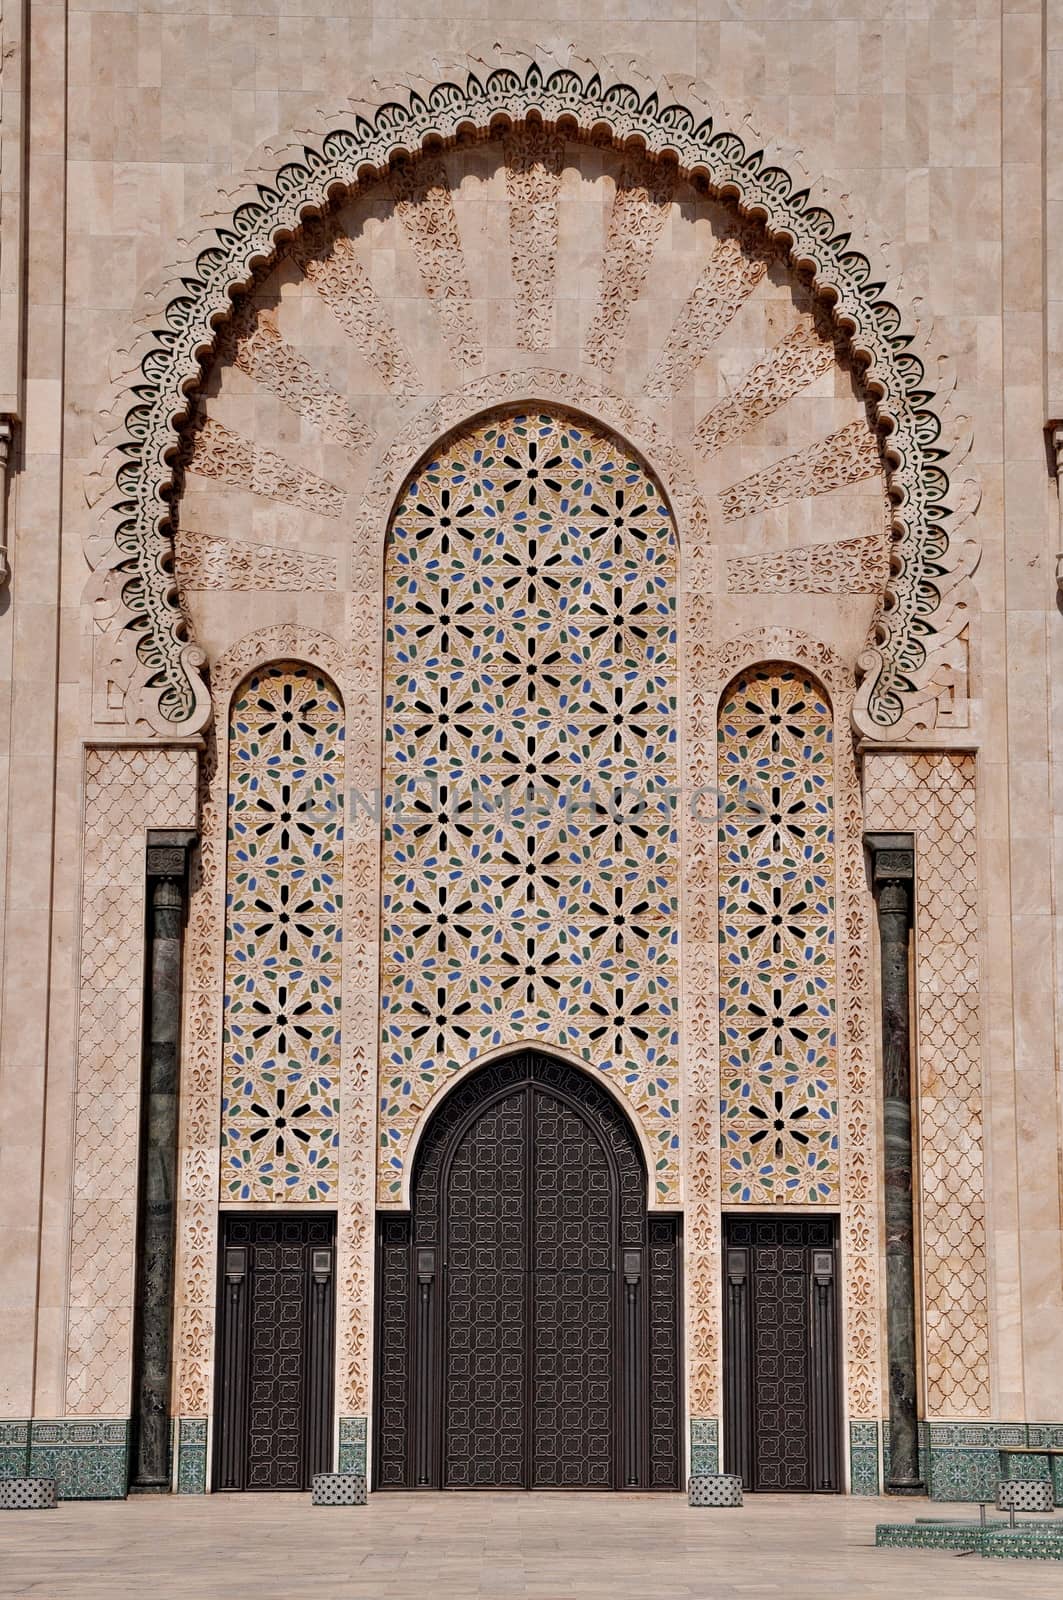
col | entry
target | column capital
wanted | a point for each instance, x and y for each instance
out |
(892, 857)
(167, 851)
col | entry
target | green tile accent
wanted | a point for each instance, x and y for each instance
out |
(352, 1445)
(704, 1447)
(89, 1460)
(191, 1456)
(1041, 1543)
(14, 1449)
(1025, 1544)
(964, 1463)
(863, 1458)
(928, 1536)
(1018, 1467)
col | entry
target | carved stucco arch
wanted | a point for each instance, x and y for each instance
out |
(924, 608)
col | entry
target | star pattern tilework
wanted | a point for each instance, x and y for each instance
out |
(284, 876)
(530, 769)
(778, 1045)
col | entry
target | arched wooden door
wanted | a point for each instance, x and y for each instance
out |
(528, 1307)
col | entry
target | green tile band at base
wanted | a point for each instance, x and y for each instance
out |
(704, 1447)
(88, 1459)
(353, 1431)
(864, 1458)
(958, 1460)
(14, 1449)
(192, 1455)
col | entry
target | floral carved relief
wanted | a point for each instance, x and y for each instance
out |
(534, 157)
(644, 192)
(847, 456)
(253, 343)
(216, 451)
(206, 563)
(733, 271)
(327, 257)
(426, 210)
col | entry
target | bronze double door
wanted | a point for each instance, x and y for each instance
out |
(528, 1307)
(273, 1405)
(781, 1367)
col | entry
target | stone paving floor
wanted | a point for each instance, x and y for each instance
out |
(438, 1546)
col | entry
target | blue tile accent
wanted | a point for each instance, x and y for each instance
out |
(352, 1445)
(14, 1449)
(863, 1458)
(704, 1447)
(191, 1456)
(89, 1460)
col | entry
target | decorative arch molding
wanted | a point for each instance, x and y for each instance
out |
(152, 668)
(533, 387)
(523, 1047)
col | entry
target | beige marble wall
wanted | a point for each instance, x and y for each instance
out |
(929, 122)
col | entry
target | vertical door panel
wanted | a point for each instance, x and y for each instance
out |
(484, 1421)
(574, 1303)
(782, 1406)
(274, 1404)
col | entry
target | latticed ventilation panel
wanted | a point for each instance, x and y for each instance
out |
(530, 840)
(284, 890)
(778, 1004)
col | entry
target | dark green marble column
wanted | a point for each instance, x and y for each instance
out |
(893, 875)
(166, 870)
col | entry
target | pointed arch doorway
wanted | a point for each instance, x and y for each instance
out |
(528, 1305)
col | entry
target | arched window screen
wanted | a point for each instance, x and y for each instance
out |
(530, 839)
(778, 1006)
(283, 923)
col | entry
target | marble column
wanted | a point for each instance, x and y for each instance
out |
(893, 877)
(166, 872)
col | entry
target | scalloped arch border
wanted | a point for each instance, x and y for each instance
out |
(925, 605)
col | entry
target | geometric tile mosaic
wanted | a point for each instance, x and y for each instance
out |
(192, 1455)
(530, 829)
(88, 1460)
(863, 1458)
(280, 1129)
(778, 1001)
(14, 1449)
(704, 1447)
(352, 1445)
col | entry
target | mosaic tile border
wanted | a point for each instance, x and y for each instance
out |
(89, 1459)
(14, 1449)
(704, 1447)
(999, 1542)
(192, 1455)
(864, 1458)
(353, 1432)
